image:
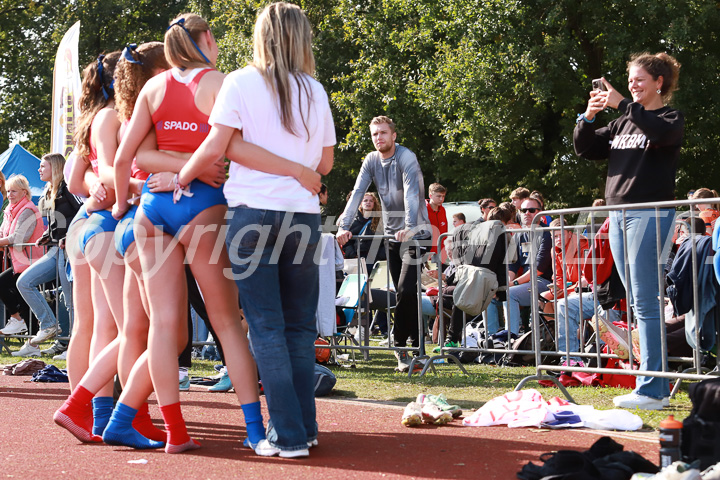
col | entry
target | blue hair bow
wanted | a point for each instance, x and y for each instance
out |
(181, 23)
(128, 54)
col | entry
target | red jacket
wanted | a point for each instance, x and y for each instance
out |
(573, 267)
(439, 223)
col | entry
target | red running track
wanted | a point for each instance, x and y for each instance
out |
(358, 439)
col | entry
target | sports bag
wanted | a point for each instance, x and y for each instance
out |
(475, 288)
(325, 380)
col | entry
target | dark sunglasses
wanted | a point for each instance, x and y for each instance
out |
(531, 210)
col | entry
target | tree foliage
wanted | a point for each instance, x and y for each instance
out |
(30, 32)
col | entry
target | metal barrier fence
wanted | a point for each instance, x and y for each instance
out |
(59, 303)
(622, 210)
(695, 372)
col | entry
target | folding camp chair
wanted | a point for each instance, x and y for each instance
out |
(348, 305)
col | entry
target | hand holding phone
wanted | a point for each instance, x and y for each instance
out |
(598, 84)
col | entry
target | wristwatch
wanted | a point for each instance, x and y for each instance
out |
(515, 282)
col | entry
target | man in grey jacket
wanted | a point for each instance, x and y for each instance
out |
(396, 173)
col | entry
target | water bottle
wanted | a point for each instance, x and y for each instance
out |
(670, 431)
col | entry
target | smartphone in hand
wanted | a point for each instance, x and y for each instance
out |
(598, 84)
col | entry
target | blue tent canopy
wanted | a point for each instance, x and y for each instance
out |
(17, 160)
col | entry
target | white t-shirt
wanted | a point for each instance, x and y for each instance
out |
(245, 102)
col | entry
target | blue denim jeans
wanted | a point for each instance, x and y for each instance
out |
(520, 296)
(273, 263)
(573, 315)
(642, 284)
(492, 317)
(42, 271)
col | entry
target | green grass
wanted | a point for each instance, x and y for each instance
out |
(376, 380)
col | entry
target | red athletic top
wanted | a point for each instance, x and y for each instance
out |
(93, 156)
(179, 125)
(135, 172)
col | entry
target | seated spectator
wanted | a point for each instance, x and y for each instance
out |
(491, 255)
(59, 207)
(506, 214)
(708, 212)
(486, 204)
(366, 222)
(568, 257)
(517, 197)
(520, 292)
(509, 206)
(21, 224)
(539, 197)
(458, 219)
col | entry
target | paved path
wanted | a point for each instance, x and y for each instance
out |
(357, 440)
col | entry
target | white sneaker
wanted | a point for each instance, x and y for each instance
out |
(27, 350)
(55, 349)
(666, 401)
(412, 415)
(62, 356)
(634, 400)
(431, 413)
(44, 334)
(14, 326)
(264, 449)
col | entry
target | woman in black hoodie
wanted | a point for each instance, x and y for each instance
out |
(642, 147)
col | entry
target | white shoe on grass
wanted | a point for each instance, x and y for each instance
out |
(634, 400)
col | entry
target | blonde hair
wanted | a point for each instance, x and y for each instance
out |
(382, 119)
(57, 164)
(131, 77)
(283, 49)
(96, 92)
(20, 182)
(181, 40)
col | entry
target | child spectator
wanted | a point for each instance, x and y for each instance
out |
(486, 204)
(708, 212)
(436, 213)
(458, 219)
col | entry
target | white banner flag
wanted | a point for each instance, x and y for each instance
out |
(66, 92)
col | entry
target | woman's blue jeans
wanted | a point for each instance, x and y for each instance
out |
(42, 271)
(274, 265)
(643, 261)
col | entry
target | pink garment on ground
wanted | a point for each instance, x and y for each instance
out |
(524, 408)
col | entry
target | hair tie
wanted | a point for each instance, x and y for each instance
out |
(181, 23)
(105, 93)
(127, 54)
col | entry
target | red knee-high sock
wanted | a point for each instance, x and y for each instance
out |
(76, 415)
(178, 439)
(143, 424)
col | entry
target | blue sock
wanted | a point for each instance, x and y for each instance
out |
(253, 422)
(102, 409)
(120, 431)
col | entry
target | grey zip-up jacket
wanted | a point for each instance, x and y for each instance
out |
(401, 189)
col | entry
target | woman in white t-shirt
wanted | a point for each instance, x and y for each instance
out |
(274, 223)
